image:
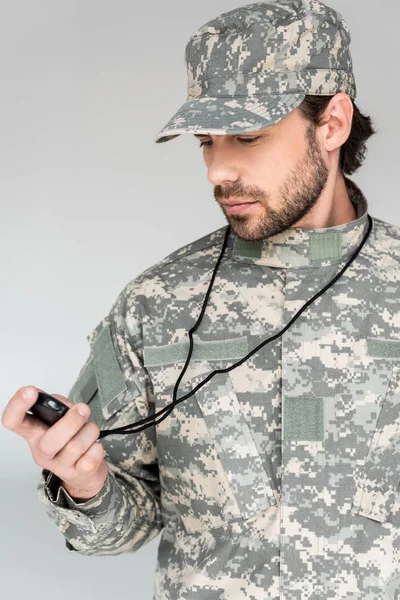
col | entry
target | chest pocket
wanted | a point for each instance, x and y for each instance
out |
(378, 484)
(210, 469)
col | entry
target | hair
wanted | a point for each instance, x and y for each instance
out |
(353, 151)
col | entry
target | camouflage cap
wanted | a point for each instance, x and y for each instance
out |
(250, 67)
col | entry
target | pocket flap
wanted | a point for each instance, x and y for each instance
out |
(236, 448)
(380, 475)
(211, 470)
(374, 498)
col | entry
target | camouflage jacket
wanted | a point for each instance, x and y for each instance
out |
(278, 479)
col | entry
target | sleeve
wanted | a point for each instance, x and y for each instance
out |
(126, 513)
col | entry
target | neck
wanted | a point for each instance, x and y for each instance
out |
(334, 207)
(342, 210)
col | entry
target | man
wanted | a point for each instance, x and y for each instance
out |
(278, 478)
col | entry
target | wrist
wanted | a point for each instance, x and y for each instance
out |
(83, 495)
(80, 496)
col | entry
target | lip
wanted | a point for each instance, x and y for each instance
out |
(234, 209)
(236, 203)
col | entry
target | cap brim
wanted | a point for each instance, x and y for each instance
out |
(229, 116)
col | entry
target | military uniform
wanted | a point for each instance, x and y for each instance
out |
(279, 479)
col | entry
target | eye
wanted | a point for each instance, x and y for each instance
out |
(245, 141)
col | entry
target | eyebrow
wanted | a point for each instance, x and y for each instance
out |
(249, 134)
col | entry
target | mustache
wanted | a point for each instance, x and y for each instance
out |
(227, 193)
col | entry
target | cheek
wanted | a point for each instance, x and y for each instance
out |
(291, 153)
(281, 162)
(270, 170)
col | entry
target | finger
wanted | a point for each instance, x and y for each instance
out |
(59, 434)
(91, 460)
(78, 446)
(15, 418)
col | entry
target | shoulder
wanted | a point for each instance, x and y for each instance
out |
(387, 229)
(157, 282)
(387, 237)
(180, 261)
(196, 248)
(384, 254)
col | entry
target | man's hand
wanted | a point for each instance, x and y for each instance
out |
(68, 448)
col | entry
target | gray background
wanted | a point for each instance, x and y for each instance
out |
(89, 200)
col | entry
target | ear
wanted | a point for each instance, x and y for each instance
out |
(337, 122)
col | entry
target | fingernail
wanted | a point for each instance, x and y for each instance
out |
(83, 410)
(27, 393)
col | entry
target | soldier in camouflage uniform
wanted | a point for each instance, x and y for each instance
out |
(278, 479)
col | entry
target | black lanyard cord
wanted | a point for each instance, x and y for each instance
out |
(151, 419)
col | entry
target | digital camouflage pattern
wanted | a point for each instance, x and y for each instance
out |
(279, 479)
(250, 67)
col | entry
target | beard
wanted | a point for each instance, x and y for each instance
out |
(298, 195)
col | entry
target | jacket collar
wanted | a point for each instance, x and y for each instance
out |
(300, 247)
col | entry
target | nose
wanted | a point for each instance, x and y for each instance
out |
(220, 168)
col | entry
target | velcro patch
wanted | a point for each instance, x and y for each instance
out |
(85, 389)
(303, 419)
(202, 350)
(109, 376)
(85, 386)
(383, 347)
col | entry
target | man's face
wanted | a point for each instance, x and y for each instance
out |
(282, 172)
